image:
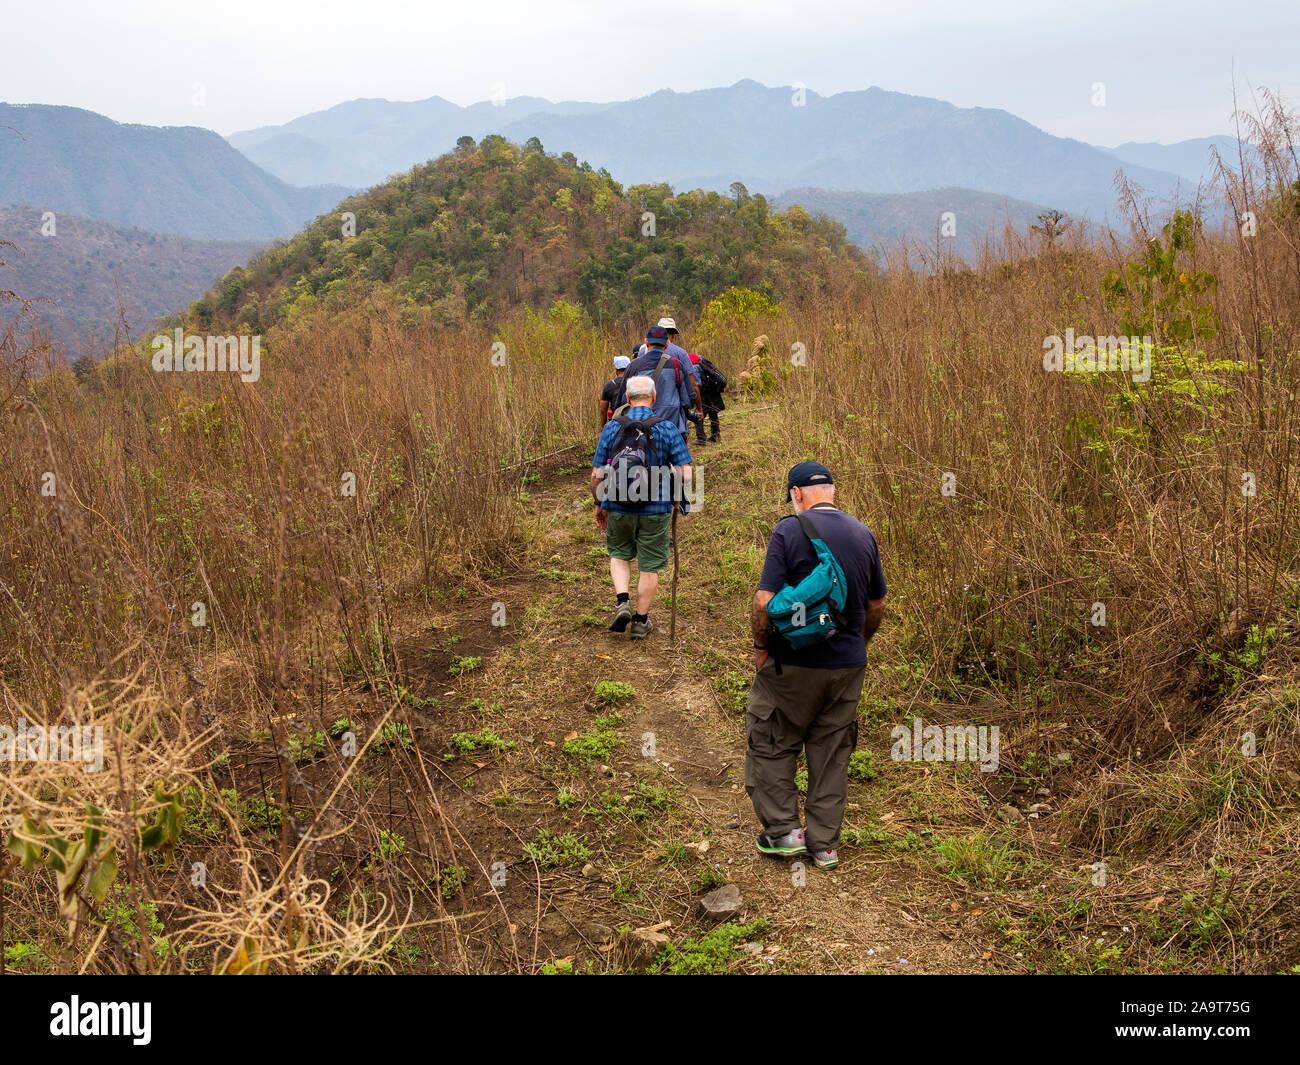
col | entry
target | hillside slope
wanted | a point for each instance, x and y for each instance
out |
(87, 268)
(175, 179)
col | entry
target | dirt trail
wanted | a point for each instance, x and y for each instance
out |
(871, 914)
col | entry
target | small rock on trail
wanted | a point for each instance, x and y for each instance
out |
(721, 905)
(641, 946)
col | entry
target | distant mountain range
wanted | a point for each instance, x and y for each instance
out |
(84, 270)
(1188, 159)
(770, 139)
(365, 142)
(886, 165)
(173, 179)
(880, 220)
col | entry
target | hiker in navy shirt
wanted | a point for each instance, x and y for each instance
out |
(675, 391)
(807, 699)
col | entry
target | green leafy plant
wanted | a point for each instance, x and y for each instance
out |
(451, 880)
(483, 740)
(464, 664)
(303, 747)
(392, 734)
(710, 954)
(614, 692)
(862, 766)
(1159, 298)
(552, 851)
(600, 742)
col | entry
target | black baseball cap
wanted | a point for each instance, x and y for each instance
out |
(805, 474)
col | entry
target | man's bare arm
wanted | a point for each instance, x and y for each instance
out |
(684, 476)
(758, 619)
(875, 612)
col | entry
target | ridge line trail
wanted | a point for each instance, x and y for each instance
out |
(866, 915)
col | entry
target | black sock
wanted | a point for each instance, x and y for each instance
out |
(640, 617)
(622, 597)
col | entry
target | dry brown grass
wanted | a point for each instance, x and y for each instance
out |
(171, 490)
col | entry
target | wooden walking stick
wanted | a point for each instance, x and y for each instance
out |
(672, 622)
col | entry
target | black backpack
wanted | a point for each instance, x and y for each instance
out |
(711, 377)
(629, 481)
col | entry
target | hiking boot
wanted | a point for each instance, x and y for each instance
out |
(715, 439)
(825, 859)
(791, 845)
(622, 615)
(641, 629)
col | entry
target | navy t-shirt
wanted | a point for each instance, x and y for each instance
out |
(610, 392)
(790, 558)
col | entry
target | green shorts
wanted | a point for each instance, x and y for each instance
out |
(644, 537)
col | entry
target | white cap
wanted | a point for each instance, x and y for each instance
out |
(667, 323)
(621, 362)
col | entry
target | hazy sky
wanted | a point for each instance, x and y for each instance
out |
(1167, 67)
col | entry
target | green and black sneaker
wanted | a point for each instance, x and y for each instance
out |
(791, 845)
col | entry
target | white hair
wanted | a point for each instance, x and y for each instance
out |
(640, 387)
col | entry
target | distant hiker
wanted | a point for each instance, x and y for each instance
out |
(713, 382)
(609, 393)
(820, 600)
(675, 391)
(669, 326)
(638, 459)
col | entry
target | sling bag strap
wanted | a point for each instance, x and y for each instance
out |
(810, 531)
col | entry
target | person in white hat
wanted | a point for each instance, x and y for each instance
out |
(680, 354)
(609, 394)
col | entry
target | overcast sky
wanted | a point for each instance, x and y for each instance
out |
(1167, 67)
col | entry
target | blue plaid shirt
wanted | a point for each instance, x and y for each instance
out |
(668, 442)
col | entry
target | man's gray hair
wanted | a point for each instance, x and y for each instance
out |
(640, 387)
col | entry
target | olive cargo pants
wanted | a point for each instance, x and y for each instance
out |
(811, 709)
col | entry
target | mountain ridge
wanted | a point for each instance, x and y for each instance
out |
(183, 180)
(769, 138)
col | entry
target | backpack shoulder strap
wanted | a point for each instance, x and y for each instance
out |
(641, 426)
(663, 361)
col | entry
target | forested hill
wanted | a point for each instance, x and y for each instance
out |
(493, 226)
